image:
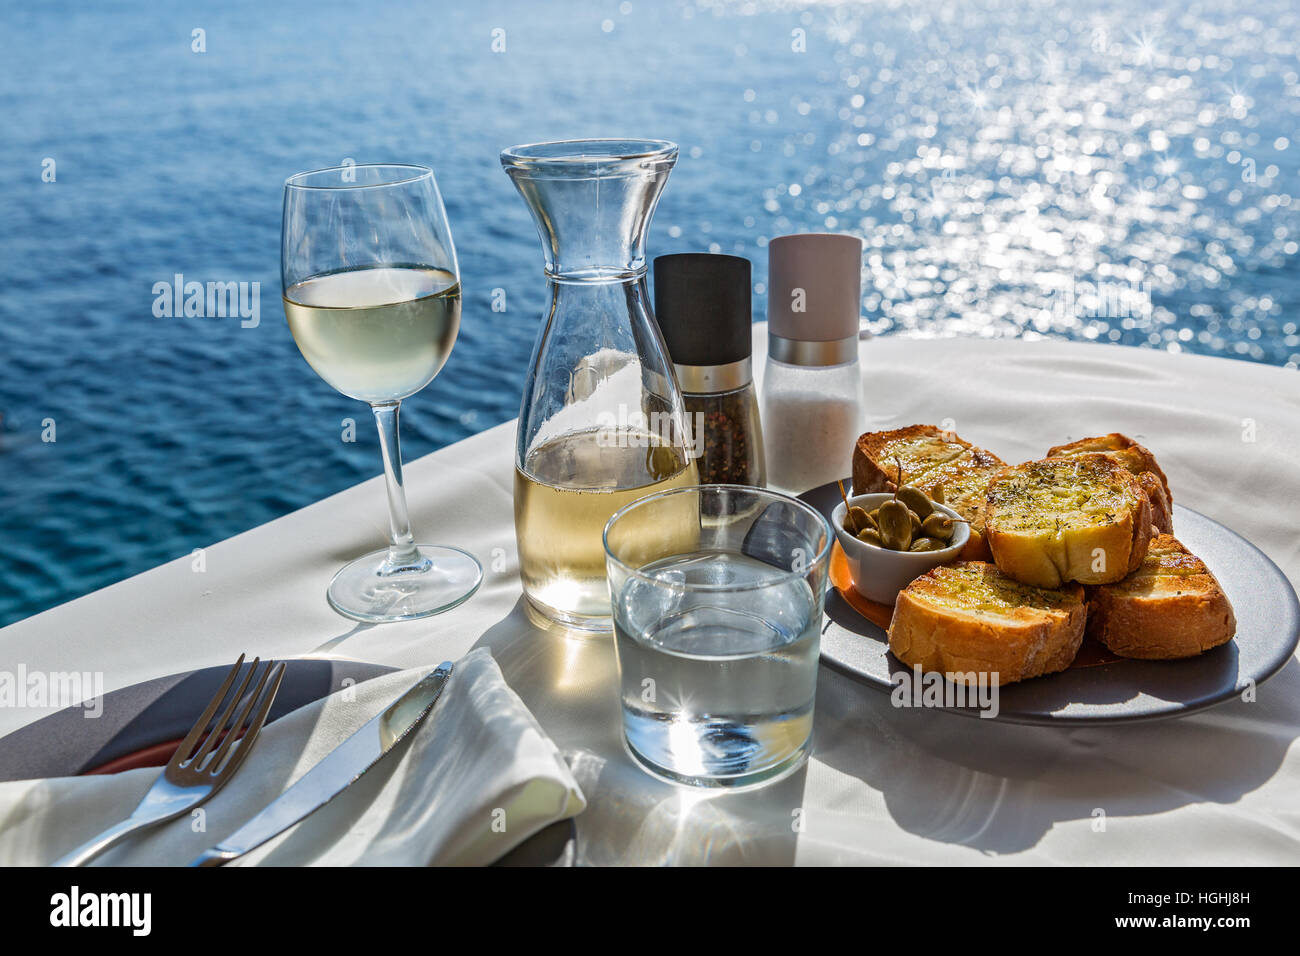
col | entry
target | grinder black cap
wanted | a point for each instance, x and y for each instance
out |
(702, 303)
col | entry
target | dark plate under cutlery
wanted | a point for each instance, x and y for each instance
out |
(142, 725)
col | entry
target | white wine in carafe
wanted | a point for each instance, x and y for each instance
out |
(565, 493)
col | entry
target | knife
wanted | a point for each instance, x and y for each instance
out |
(342, 766)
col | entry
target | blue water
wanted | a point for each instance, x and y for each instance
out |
(1010, 166)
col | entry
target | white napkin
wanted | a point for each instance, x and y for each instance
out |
(473, 781)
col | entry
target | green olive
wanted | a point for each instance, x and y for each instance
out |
(938, 525)
(858, 520)
(915, 499)
(936, 495)
(894, 543)
(916, 522)
(895, 523)
(871, 536)
(926, 544)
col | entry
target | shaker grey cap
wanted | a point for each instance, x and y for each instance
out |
(814, 286)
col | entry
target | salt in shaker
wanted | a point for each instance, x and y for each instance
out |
(812, 387)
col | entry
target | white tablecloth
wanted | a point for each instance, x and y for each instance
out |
(884, 785)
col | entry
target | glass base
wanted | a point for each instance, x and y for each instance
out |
(741, 781)
(546, 617)
(368, 590)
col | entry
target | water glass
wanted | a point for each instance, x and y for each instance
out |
(717, 620)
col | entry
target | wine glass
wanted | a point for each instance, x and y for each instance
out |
(372, 294)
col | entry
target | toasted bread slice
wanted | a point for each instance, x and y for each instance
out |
(1171, 606)
(969, 618)
(1137, 459)
(1162, 509)
(930, 457)
(1081, 518)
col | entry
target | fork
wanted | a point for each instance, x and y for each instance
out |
(208, 756)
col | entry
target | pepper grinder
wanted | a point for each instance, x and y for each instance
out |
(812, 386)
(703, 306)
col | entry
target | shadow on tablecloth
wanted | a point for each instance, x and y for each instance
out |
(999, 787)
(993, 787)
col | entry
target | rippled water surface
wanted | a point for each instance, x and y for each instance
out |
(1117, 172)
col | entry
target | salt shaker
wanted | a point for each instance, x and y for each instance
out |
(703, 306)
(812, 387)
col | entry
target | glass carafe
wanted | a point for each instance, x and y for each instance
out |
(602, 421)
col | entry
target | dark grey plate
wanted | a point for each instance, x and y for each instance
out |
(1268, 628)
(139, 721)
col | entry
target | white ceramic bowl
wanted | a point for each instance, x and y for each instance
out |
(878, 573)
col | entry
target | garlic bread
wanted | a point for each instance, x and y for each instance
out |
(1162, 509)
(1081, 518)
(1137, 459)
(969, 617)
(1171, 606)
(930, 457)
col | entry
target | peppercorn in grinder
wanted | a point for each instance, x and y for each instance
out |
(702, 304)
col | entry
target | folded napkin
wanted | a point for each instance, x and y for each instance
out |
(474, 780)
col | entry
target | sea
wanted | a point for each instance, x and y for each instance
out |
(1119, 172)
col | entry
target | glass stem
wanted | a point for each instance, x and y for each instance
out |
(402, 554)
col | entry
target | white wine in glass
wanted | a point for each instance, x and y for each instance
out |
(378, 335)
(372, 295)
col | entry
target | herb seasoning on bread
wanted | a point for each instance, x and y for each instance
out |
(970, 621)
(1138, 460)
(1082, 518)
(1170, 607)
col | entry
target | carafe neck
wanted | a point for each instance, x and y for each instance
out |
(592, 202)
